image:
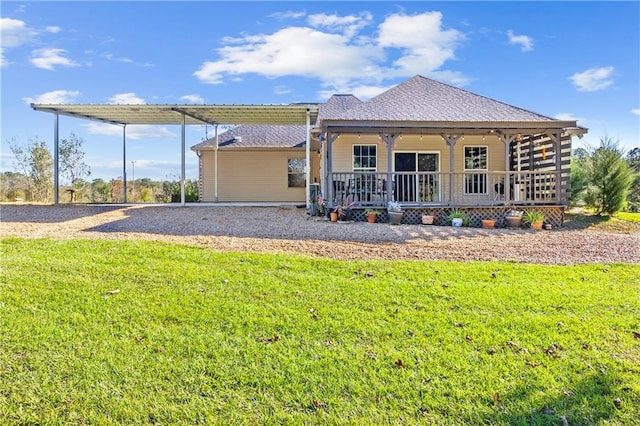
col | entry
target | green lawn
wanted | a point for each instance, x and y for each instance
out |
(103, 332)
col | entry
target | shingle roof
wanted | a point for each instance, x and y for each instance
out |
(336, 105)
(423, 99)
(258, 136)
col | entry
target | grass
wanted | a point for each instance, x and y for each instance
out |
(105, 332)
(621, 222)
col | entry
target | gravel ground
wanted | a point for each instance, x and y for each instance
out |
(289, 230)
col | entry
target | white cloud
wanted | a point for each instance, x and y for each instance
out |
(126, 99)
(3, 61)
(635, 111)
(593, 79)
(54, 97)
(568, 116)
(134, 131)
(287, 15)
(53, 29)
(49, 58)
(192, 99)
(348, 25)
(525, 42)
(282, 90)
(292, 51)
(335, 53)
(14, 32)
(424, 45)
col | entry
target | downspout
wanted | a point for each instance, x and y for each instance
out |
(124, 162)
(215, 158)
(56, 143)
(308, 160)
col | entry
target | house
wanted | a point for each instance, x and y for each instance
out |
(425, 144)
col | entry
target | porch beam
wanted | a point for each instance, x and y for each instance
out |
(451, 141)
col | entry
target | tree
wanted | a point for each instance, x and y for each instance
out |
(578, 180)
(35, 162)
(609, 178)
(72, 165)
(633, 200)
(100, 191)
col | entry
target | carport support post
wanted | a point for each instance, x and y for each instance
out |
(308, 160)
(56, 142)
(182, 167)
(215, 153)
(124, 162)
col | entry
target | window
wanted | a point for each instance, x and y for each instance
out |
(296, 172)
(475, 158)
(364, 158)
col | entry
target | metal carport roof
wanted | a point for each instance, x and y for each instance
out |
(146, 114)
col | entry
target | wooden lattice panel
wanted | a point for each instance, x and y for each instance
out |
(413, 216)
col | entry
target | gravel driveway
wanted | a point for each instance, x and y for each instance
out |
(289, 230)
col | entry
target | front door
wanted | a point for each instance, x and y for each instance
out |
(414, 183)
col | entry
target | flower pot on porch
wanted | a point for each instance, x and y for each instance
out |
(536, 224)
(488, 223)
(513, 222)
(395, 218)
(333, 216)
(456, 222)
(371, 217)
(427, 219)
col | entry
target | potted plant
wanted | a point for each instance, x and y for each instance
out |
(534, 218)
(488, 223)
(458, 218)
(428, 218)
(343, 210)
(371, 215)
(318, 206)
(395, 212)
(513, 218)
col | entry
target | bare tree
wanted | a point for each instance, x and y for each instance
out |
(34, 161)
(72, 165)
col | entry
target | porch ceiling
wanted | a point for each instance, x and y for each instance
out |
(193, 114)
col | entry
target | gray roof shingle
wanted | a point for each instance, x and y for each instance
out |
(423, 99)
(258, 136)
(336, 105)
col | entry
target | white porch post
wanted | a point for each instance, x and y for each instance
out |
(506, 140)
(556, 138)
(389, 139)
(56, 159)
(182, 168)
(330, 139)
(124, 162)
(451, 141)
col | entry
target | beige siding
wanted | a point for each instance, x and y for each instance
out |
(253, 175)
(343, 150)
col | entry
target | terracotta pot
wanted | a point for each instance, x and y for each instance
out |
(371, 217)
(488, 223)
(427, 219)
(536, 224)
(333, 216)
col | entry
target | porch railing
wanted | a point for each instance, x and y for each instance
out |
(444, 188)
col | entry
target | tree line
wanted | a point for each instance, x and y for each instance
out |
(32, 179)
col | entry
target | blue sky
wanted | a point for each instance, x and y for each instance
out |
(569, 60)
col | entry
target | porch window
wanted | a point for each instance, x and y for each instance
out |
(296, 172)
(364, 158)
(475, 159)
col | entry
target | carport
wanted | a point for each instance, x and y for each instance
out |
(182, 115)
